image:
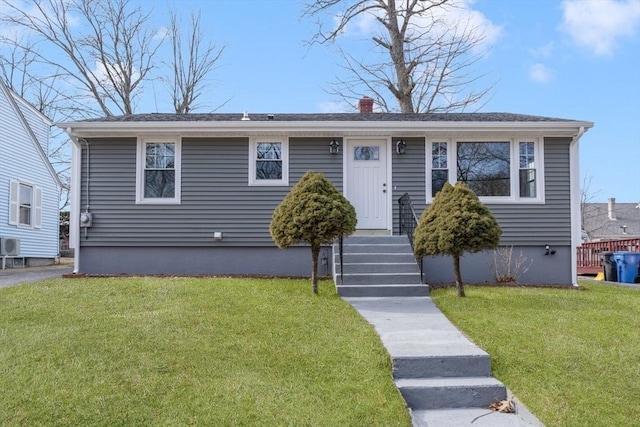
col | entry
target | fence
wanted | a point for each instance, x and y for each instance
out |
(589, 253)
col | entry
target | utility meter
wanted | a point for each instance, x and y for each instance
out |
(85, 219)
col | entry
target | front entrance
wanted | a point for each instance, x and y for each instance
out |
(366, 182)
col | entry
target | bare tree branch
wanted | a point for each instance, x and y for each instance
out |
(592, 219)
(418, 61)
(189, 75)
(104, 48)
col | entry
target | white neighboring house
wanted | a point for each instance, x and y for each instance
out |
(29, 185)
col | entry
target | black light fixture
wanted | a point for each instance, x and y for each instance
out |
(548, 250)
(334, 146)
(401, 146)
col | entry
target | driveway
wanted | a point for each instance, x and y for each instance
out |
(18, 276)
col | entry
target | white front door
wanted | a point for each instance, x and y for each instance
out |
(367, 188)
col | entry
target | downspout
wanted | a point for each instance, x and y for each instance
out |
(74, 215)
(574, 174)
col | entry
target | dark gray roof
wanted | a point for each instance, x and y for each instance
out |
(597, 224)
(338, 117)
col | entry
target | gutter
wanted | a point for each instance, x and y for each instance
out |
(574, 174)
(319, 128)
(74, 214)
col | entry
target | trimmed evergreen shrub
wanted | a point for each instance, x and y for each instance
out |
(314, 212)
(455, 223)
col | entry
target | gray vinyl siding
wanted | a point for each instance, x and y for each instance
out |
(548, 223)
(409, 176)
(522, 223)
(216, 195)
(21, 160)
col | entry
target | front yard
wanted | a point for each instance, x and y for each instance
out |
(186, 351)
(573, 357)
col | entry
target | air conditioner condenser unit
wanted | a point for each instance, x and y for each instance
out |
(9, 246)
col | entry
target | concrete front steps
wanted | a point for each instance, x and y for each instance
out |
(377, 266)
(444, 378)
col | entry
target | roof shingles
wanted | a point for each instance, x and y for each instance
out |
(323, 117)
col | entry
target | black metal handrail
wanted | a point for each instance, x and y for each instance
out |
(408, 222)
(408, 218)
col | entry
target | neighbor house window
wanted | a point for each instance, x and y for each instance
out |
(268, 161)
(497, 170)
(25, 205)
(158, 171)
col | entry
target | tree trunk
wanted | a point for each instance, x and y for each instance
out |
(456, 268)
(315, 252)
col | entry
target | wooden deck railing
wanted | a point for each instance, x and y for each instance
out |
(589, 253)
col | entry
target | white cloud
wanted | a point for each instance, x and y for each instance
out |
(540, 73)
(598, 25)
(545, 51)
(100, 73)
(457, 13)
(334, 107)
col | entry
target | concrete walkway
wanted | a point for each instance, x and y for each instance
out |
(18, 276)
(412, 328)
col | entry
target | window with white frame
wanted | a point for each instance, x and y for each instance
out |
(268, 161)
(439, 166)
(158, 171)
(527, 173)
(25, 205)
(497, 170)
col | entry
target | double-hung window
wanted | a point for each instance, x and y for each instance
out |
(439, 166)
(496, 169)
(25, 205)
(158, 171)
(527, 172)
(268, 161)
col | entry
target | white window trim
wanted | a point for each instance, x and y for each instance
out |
(140, 164)
(14, 205)
(514, 167)
(253, 144)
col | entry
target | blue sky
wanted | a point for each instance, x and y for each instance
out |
(567, 59)
(573, 59)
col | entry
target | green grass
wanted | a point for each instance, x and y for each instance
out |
(185, 351)
(572, 357)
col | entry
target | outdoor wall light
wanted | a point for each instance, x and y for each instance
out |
(401, 146)
(217, 235)
(334, 146)
(548, 250)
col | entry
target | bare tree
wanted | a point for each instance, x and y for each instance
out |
(189, 73)
(418, 62)
(104, 49)
(592, 219)
(78, 58)
(19, 69)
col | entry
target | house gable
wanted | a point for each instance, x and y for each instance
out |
(24, 165)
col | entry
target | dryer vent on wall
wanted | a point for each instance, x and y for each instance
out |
(9, 246)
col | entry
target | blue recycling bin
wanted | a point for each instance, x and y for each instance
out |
(627, 263)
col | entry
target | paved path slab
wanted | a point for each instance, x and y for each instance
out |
(413, 327)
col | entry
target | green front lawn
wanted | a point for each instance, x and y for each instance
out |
(186, 351)
(572, 357)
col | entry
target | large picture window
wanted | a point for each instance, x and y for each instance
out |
(497, 170)
(158, 171)
(268, 161)
(485, 167)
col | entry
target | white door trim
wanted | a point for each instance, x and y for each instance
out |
(389, 161)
